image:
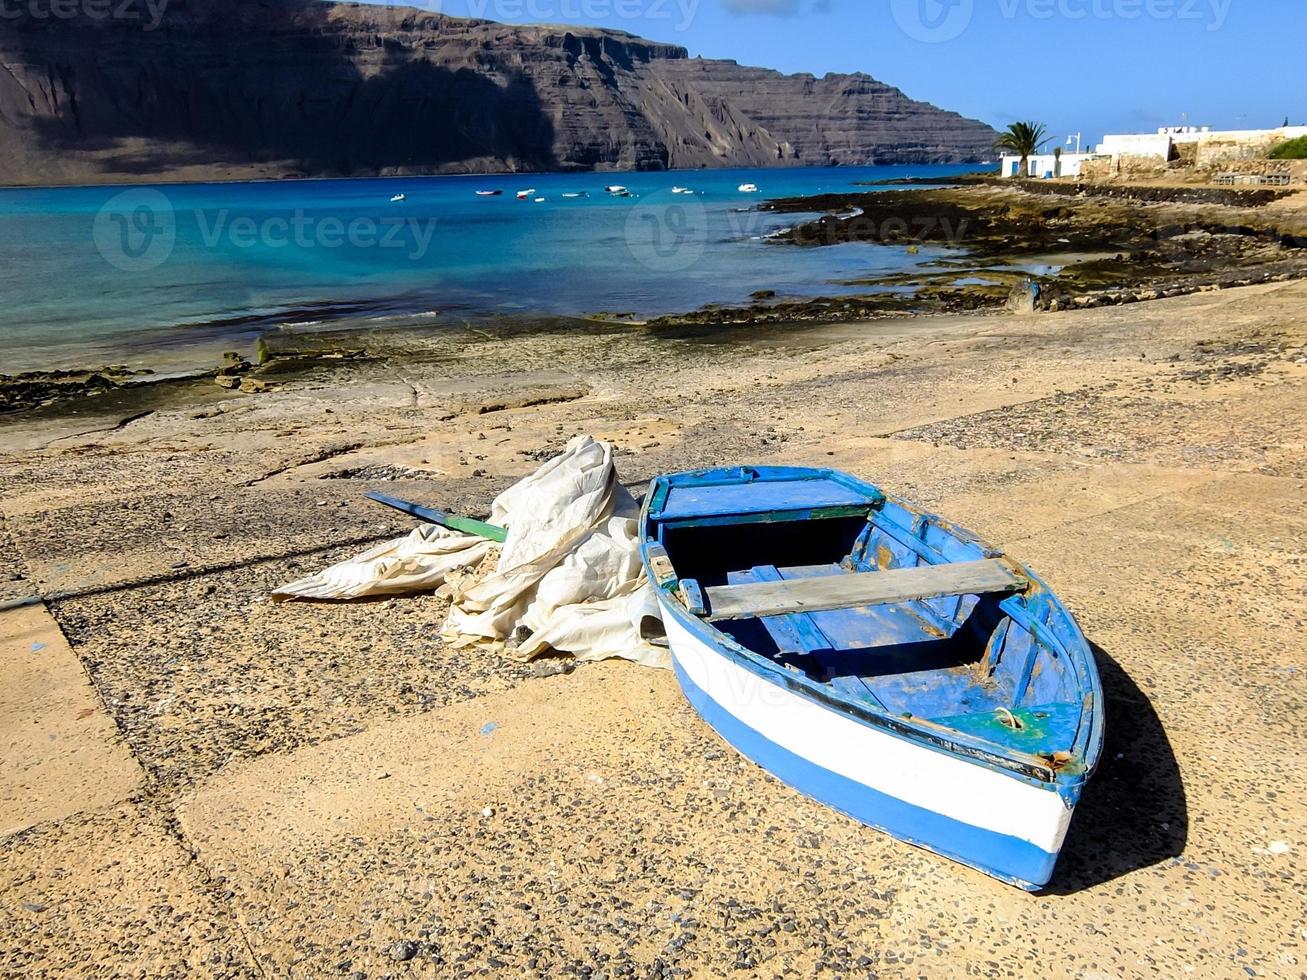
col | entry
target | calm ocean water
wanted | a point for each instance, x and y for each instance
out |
(154, 276)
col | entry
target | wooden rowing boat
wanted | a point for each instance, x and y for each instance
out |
(878, 659)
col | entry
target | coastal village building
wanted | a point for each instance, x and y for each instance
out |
(1199, 146)
(1203, 145)
(1047, 164)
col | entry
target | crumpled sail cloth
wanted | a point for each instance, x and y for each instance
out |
(570, 571)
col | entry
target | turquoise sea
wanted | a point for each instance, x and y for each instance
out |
(161, 276)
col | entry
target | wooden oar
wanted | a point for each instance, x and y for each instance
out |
(454, 522)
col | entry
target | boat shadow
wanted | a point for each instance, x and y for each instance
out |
(1133, 813)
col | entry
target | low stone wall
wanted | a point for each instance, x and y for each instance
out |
(1104, 168)
(1214, 153)
(1126, 167)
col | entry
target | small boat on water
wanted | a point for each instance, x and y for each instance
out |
(489, 193)
(616, 189)
(575, 194)
(878, 659)
(682, 190)
(398, 197)
(539, 200)
(748, 188)
(527, 194)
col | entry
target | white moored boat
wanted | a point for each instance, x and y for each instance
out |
(748, 188)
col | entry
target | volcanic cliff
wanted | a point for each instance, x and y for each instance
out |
(303, 88)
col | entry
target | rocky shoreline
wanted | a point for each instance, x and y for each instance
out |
(1163, 194)
(995, 246)
(32, 389)
(1004, 245)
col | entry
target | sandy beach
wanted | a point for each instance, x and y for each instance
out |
(198, 782)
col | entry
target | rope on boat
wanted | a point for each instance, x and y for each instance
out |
(1011, 720)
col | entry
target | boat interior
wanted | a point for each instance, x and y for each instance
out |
(889, 608)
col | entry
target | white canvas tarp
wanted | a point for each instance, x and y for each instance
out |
(569, 572)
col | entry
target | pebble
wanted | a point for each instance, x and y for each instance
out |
(404, 950)
(552, 667)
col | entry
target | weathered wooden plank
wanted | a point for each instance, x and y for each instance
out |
(861, 589)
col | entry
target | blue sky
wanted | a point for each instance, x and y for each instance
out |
(1077, 65)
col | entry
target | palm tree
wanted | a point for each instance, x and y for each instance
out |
(1022, 138)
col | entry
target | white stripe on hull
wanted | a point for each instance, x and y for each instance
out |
(950, 786)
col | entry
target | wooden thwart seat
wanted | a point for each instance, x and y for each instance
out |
(808, 595)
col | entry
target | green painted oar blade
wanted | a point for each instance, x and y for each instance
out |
(455, 522)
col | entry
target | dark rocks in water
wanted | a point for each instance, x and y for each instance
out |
(299, 88)
(1001, 222)
(1098, 252)
(32, 388)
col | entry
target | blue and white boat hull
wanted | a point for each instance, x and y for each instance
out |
(879, 659)
(998, 821)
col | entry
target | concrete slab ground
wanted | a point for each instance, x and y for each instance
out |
(60, 752)
(113, 894)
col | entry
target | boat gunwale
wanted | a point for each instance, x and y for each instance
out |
(1086, 747)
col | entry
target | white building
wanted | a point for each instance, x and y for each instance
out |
(1161, 145)
(1046, 164)
(1138, 145)
(1208, 145)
